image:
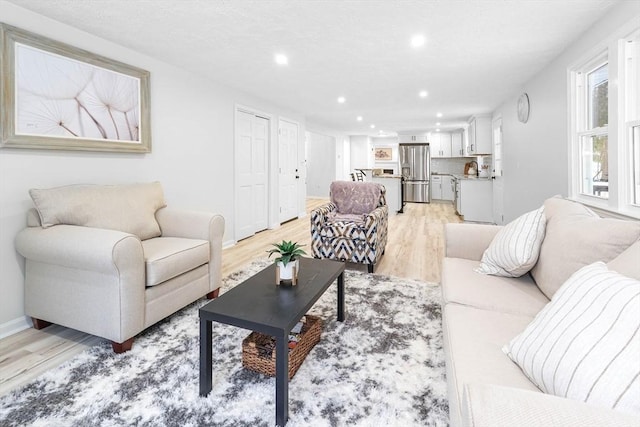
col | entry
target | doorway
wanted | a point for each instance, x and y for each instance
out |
(498, 183)
(289, 173)
(251, 156)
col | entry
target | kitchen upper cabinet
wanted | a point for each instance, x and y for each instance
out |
(440, 144)
(479, 136)
(403, 139)
(457, 144)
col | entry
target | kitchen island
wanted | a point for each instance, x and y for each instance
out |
(393, 185)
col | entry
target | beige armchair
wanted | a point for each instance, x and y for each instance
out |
(113, 260)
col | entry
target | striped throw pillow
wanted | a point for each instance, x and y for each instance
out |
(585, 343)
(515, 249)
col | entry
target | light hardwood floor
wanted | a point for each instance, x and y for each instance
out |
(414, 250)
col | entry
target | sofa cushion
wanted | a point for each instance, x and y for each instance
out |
(168, 257)
(462, 285)
(488, 405)
(584, 344)
(129, 208)
(628, 262)
(355, 197)
(515, 249)
(473, 339)
(576, 237)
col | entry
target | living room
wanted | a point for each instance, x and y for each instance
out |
(193, 134)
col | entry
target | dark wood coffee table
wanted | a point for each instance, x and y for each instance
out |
(259, 305)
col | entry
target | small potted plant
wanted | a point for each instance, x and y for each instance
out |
(287, 262)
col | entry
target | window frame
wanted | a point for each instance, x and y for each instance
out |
(623, 114)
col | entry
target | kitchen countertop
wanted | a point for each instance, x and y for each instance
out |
(472, 177)
(387, 175)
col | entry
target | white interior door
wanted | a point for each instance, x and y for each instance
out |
(498, 183)
(251, 148)
(288, 169)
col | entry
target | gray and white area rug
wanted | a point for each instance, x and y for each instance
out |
(383, 366)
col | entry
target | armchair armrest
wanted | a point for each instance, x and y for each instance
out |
(85, 248)
(497, 406)
(376, 216)
(197, 225)
(320, 214)
(468, 241)
(90, 279)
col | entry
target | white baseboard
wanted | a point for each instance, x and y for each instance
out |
(302, 215)
(228, 244)
(14, 326)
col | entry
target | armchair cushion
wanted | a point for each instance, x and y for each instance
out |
(129, 208)
(168, 257)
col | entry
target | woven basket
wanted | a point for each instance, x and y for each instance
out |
(259, 350)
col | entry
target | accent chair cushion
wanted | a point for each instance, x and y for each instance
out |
(515, 249)
(584, 344)
(129, 208)
(169, 257)
(356, 198)
(576, 236)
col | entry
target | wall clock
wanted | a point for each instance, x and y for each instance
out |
(523, 108)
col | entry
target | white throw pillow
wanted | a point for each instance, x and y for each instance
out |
(515, 249)
(585, 344)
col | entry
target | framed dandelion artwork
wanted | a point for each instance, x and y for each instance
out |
(56, 96)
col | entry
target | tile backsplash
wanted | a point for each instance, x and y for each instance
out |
(456, 165)
(448, 166)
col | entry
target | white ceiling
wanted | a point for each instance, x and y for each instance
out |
(478, 52)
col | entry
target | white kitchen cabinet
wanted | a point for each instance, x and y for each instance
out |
(436, 187)
(403, 139)
(475, 197)
(447, 187)
(440, 144)
(457, 144)
(479, 137)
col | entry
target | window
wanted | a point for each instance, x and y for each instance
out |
(605, 128)
(632, 116)
(635, 164)
(593, 132)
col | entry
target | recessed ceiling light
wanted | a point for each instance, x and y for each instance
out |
(439, 115)
(359, 118)
(438, 124)
(341, 99)
(423, 94)
(437, 130)
(418, 40)
(372, 126)
(281, 59)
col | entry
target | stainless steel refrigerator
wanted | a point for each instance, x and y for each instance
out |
(415, 165)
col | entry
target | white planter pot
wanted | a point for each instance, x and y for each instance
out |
(287, 271)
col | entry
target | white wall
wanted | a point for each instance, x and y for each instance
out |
(536, 153)
(386, 142)
(360, 152)
(321, 164)
(192, 134)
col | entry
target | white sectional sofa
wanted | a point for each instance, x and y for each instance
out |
(482, 313)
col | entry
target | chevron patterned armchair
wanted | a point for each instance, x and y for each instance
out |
(353, 226)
